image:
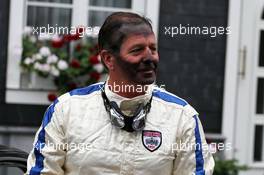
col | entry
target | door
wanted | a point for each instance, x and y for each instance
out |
(249, 123)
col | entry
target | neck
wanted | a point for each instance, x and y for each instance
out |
(126, 89)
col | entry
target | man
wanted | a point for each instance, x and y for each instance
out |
(135, 129)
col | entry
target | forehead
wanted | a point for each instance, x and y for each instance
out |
(139, 39)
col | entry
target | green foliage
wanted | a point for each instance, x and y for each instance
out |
(227, 167)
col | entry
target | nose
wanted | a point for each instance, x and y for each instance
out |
(147, 60)
(148, 53)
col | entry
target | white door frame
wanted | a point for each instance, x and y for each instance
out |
(231, 75)
(240, 81)
(243, 130)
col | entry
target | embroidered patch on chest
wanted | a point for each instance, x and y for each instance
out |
(151, 140)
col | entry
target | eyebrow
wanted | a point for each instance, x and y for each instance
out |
(142, 45)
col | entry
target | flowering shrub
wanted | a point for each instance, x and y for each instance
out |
(228, 167)
(70, 60)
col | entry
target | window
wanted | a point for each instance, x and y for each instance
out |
(31, 89)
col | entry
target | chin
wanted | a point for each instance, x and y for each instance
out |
(146, 80)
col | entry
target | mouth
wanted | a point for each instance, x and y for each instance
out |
(146, 70)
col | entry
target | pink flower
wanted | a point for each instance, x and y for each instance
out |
(72, 86)
(95, 76)
(78, 47)
(52, 97)
(57, 43)
(75, 63)
(94, 59)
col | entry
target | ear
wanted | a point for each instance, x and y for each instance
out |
(107, 58)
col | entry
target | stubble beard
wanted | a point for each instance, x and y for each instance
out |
(132, 73)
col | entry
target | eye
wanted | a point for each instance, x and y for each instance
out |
(135, 50)
(153, 48)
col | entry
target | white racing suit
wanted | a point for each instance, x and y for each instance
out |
(77, 138)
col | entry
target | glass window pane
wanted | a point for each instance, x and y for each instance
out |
(112, 3)
(260, 96)
(261, 49)
(57, 1)
(10, 170)
(42, 16)
(51, 19)
(96, 18)
(258, 143)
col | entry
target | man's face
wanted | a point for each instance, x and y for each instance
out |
(138, 59)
